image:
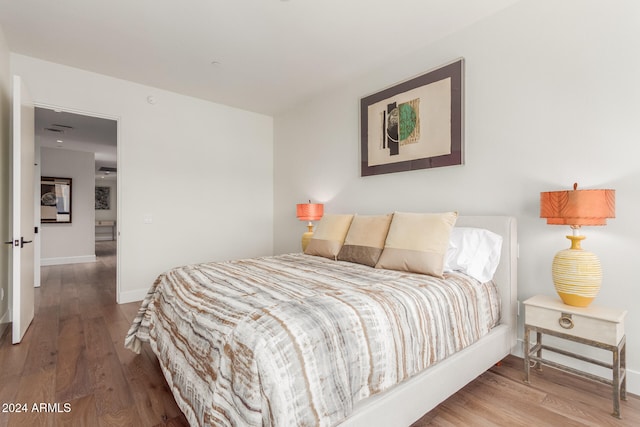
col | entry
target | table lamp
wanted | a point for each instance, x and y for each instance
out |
(309, 212)
(576, 273)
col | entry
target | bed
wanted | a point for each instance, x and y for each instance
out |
(228, 346)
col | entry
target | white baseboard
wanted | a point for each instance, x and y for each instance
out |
(68, 260)
(633, 376)
(633, 382)
(132, 296)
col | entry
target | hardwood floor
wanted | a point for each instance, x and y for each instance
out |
(73, 359)
(73, 353)
(499, 397)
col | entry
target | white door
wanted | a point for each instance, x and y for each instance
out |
(23, 210)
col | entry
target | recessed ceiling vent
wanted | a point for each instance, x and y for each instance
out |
(58, 128)
(107, 169)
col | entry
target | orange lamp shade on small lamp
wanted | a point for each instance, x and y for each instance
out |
(309, 212)
(577, 274)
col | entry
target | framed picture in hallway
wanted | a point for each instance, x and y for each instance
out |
(103, 198)
(415, 124)
(55, 200)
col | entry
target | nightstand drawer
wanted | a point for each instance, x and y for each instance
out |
(593, 323)
(578, 326)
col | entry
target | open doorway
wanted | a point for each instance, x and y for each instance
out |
(83, 149)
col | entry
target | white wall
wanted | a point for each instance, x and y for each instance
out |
(5, 216)
(74, 242)
(552, 97)
(202, 172)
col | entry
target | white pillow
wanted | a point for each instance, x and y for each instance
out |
(473, 251)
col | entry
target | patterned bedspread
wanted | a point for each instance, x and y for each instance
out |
(297, 340)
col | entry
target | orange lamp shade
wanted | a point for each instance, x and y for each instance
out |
(309, 211)
(578, 207)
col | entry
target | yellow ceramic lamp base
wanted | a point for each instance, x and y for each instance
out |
(577, 274)
(575, 300)
(306, 237)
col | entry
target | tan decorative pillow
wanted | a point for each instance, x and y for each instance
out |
(365, 239)
(417, 242)
(329, 236)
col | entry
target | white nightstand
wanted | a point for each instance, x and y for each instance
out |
(594, 326)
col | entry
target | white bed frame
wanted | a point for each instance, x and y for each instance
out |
(407, 402)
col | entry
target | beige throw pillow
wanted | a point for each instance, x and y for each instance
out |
(417, 242)
(365, 239)
(329, 236)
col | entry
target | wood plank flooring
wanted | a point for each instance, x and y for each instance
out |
(73, 354)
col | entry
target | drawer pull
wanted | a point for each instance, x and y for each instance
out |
(566, 321)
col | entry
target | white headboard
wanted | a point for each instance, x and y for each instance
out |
(506, 276)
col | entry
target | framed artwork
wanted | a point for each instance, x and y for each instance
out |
(103, 198)
(55, 200)
(415, 124)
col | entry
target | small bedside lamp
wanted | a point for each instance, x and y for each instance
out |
(309, 212)
(577, 274)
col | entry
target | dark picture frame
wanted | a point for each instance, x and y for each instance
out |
(415, 124)
(55, 200)
(103, 198)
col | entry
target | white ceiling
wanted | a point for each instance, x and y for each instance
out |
(69, 131)
(259, 55)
